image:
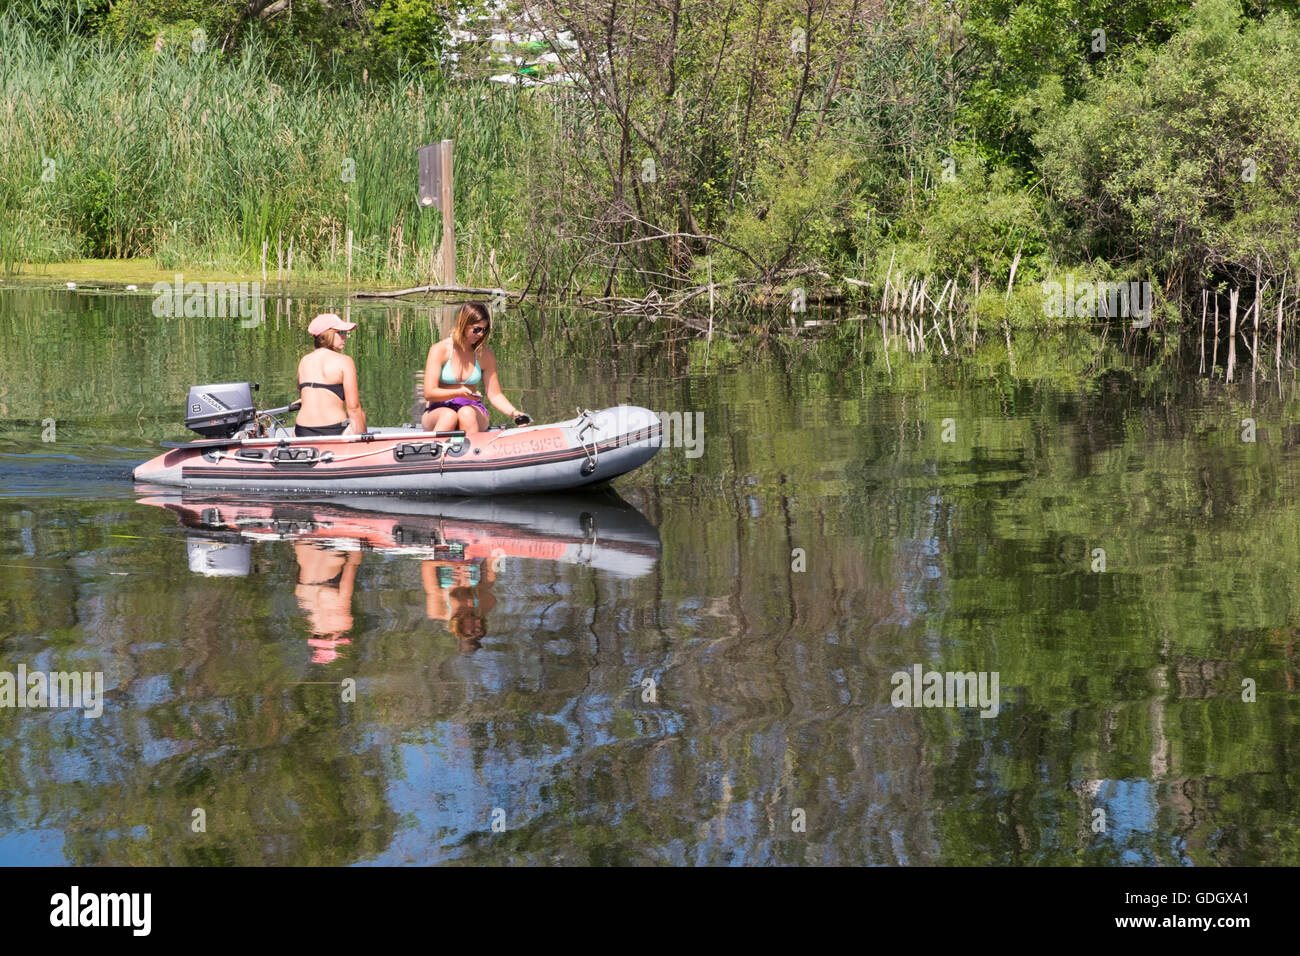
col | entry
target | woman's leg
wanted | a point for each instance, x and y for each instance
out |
(471, 419)
(439, 420)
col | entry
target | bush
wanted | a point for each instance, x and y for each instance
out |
(799, 215)
(1183, 159)
(974, 219)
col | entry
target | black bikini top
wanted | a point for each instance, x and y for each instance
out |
(336, 389)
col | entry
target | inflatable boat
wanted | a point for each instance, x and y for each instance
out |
(246, 450)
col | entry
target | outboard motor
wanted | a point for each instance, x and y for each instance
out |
(219, 559)
(219, 411)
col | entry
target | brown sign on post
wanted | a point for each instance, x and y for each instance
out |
(446, 180)
(430, 176)
(436, 192)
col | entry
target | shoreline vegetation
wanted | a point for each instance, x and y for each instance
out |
(934, 168)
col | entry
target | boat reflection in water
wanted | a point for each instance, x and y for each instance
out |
(462, 544)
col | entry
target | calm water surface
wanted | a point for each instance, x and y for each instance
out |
(695, 667)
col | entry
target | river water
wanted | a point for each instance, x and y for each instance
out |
(713, 662)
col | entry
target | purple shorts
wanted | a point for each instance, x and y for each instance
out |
(456, 404)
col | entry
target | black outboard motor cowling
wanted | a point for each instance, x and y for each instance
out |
(218, 411)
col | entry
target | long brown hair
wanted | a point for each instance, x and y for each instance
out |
(470, 313)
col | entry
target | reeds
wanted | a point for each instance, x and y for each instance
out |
(155, 151)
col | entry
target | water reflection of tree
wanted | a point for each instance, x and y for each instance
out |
(212, 715)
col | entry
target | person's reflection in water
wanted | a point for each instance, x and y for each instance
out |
(460, 593)
(324, 592)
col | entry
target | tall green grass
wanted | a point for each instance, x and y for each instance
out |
(198, 158)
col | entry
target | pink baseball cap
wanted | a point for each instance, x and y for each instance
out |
(326, 321)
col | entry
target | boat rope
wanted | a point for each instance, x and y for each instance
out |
(325, 456)
(585, 424)
(500, 434)
(360, 454)
(329, 456)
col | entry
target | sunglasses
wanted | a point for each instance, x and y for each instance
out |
(481, 329)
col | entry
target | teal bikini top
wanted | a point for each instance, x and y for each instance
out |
(449, 379)
(447, 578)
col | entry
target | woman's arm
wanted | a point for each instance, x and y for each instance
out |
(349, 578)
(435, 600)
(492, 387)
(352, 398)
(434, 390)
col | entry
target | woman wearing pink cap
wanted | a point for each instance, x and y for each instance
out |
(327, 382)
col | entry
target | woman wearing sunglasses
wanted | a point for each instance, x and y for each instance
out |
(457, 366)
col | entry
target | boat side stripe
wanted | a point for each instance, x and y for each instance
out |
(459, 465)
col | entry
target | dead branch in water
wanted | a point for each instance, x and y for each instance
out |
(429, 289)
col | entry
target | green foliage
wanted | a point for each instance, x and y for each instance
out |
(800, 214)
(1183, 157)
(714, 134)
(414, 30)
(971, 219)
(1017, 46)
(902, 83)
(330, 42)
(56, 19)
(143, 23)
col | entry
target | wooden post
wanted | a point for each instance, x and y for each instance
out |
(448, 216)
(1280, 296)
(710, 297)
(1214, 360)
(263, 262)
(1254, 357)
(1233, 296)
(1205, 295)
(942, 295)
(349, 255)
(1014, 262)
(951, 298)
(889, 274)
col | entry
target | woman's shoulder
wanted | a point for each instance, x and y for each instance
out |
(335, 362)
